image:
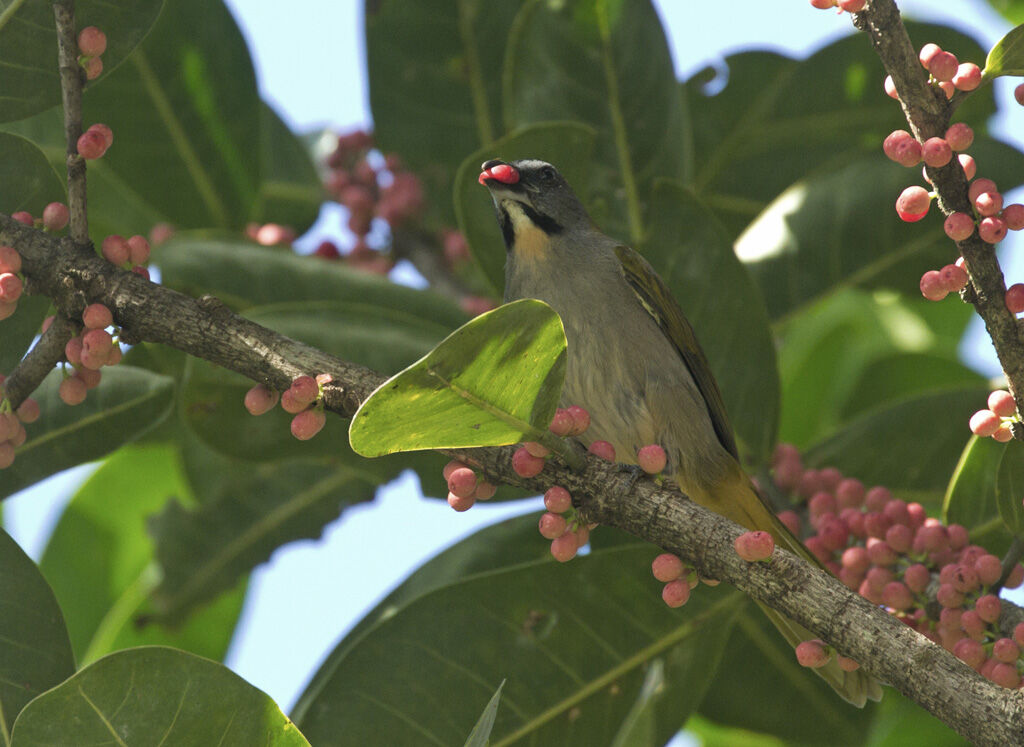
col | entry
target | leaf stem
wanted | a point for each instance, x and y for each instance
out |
(485, 128)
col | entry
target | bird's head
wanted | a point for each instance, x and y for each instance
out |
(530, 196)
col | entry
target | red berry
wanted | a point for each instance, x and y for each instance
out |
(1015, 298)
(138, 250)
(1005, 675)
(91, 145)
(1005, 650)
(667, 567)
(526, 464)
(954, 278)
(897, 596)
(968, 76)
(580, 419)
(812, 654)
(1016, 577)
(551, 526)
(912, 204)
(260, 399)
(485, 490)
(1018, 93)
(141, 271)
(958, 226)
(55, 216)
(852, 6)
(988, 607)
(947, 596)
(927, 53)
(307, 424)
(1001, 403)
(890, 87)
(943, 66)
(106, 132)
(917, 577)
(968, 164)
(901, 147)
(73, 350)
(980, 185)
(462, 482)
(28, 411)
(557, 499)
(960, 136)
(652, 459)
(1013, 216)
(304, 389)
(92, 41)
(933, 287)
(602, 449)
(451, 467)
(676, 593)
(505, 174)
(988, 203)
(460, 503)
(791, 520)
(97, 316)
(900, 538)
(562, 423)
(970, 652)
(564, 548)
(936, 152)
(992, 230)
(93, 68)
(116, 249)
(10, 287)
(10, 260)
(1018, 634)
(72, 391)
(856, 559)
(754, 546)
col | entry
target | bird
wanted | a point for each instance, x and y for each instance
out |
(634, 361)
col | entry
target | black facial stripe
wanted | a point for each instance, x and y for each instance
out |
(507, 232)
(545, 223)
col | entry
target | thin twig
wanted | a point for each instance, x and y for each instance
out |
(40, 360)
(71, 80)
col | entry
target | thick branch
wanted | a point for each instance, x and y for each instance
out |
(39, 361)
(71, 78)
(928, 114)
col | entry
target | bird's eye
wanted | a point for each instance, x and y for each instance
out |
(547, 174)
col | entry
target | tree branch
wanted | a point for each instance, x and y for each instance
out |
(39, 361)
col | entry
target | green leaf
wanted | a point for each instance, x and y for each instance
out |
(151, 694)
(206, 551)
(640, 725)
(434, 70)
(569, 145)
(970, 498)
(578, 60)
(1010, 487)
(100, 561)
(900, 722)
(481, 734)
(911, 447)
(28, 40)
(691, 252)
(712, 734)
(127, 403)
(573, 643)
(35, 653)
(496, 380)
(1007, 55)
(243, 274)
(1012, 10)
(783, 699)
(291, 192)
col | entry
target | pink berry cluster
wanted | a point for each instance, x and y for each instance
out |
(922, 571)
(12, 426)
(464, 487)
(944, 71)
(11, 284)
(302, 399)
(88, 352)
(91, 43)
(850, 6)
(816, 653)
(131, 253)
(94, 142)
(996, 419)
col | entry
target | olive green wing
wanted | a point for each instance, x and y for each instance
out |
(656, 298)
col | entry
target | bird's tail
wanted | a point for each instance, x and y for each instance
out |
(736, 499)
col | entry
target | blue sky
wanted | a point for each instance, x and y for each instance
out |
(309, 62)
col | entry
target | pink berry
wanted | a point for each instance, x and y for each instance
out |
(968, 164)
(462, 482)
(823, 4)
(305, 389)
(260, 399)
(551, 526)
(960, 136)
(1006, 675)
(947, 596)
(988, 203)
(461, 503)
(1005, 650)
(91, 145)
(954, 278)
(308, 423)
(1018, 634)
(92, 41)
(72, 391)
(1013, 216)
(291, 403)
(10, 260)
(73, 350)
(968, 76)
(791, 520)
(97, 316)
(933, 287)
(485, 490)
(812, 654)
(1002, 404)
(602, 449)
(580, 419)
(451, 467)
(526, 464)
(992, 230)
(564, 548)
(10, 287)
(116, 250)
(652, 459)
(943, 66)
(852, 6)
(917, 577)
(850, 493)
(667, 567)
(890, 88)
(912, 204)
(1016, 577)
(988, 607)
(970, 652)
(897, 596)
(979, 186)
(105, 131)
(965, 578)
(562, 423)
(1015, 298)
(28, 411)
(754, 546)
(936, 152)
(138, 250)
(93, 68)
(90, 378)
(901, 147)
(676, 593)
(96, 340)
(958, 226)
(880, 553)
(55, 216)
(856, 559)
(1018, 93)
(557, 499)
(927, 54)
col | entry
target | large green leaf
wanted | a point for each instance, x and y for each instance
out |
(911, 447)
(900, 722)
(496, 380)
(569, 145)
(1012, 10)
(971, 494)
(28, 47)
(206, 551)
(291, 192)
(127, 403)
(1010, 487)
(573, 643)
(580, 60)
(1007, 55)
(35, 653)
(434, 70)
(691, 252)
(153, 695)
(100, 561)
(768, 120)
